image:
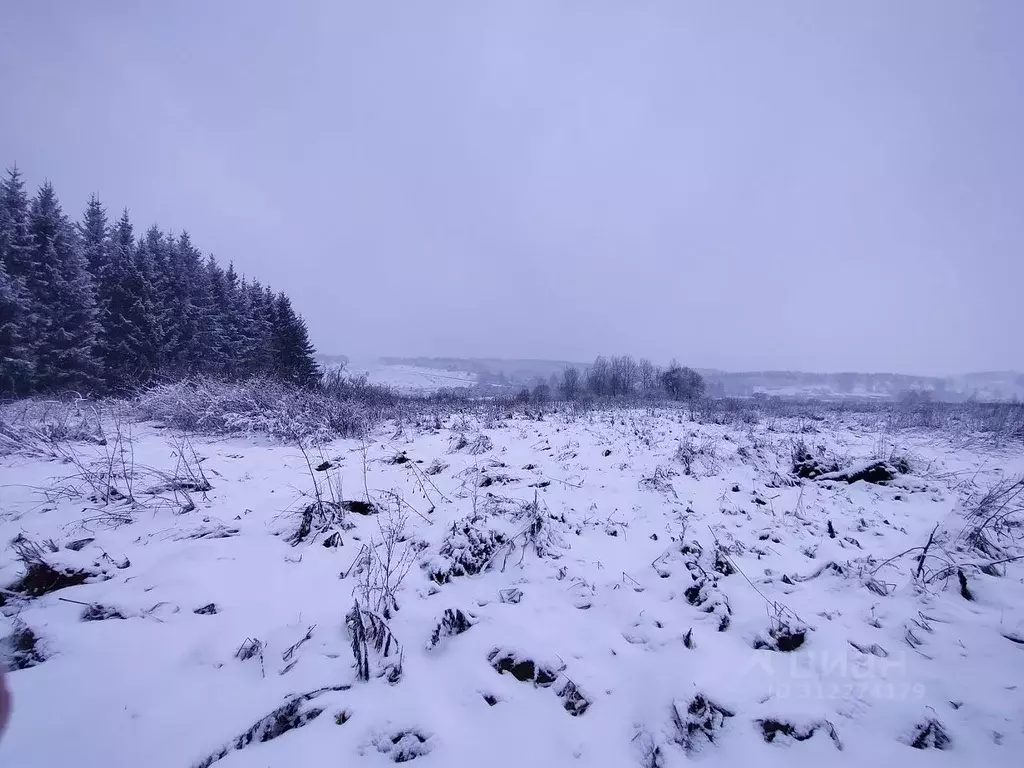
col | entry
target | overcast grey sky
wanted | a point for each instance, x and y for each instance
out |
(741, 185)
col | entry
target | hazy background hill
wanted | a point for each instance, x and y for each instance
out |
(495, 375)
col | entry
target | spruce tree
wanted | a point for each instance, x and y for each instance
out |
(258, 355)
(15, 367)
(294, 359)
(130, 354)
(219, 319)
(94, 236)
(198, 355)
(62, 287)
(182, 315)
(237, 323)
(82, 306)
(15, 239)
(94, 239)
(17, 338)
(155, 261)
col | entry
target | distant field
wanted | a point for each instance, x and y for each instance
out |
(411, 379)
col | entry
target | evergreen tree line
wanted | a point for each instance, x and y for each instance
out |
(90, 307)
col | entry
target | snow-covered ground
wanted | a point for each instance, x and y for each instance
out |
(411, 379)
(624, 588)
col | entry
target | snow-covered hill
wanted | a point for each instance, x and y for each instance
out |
(625, 588)
(410, 379)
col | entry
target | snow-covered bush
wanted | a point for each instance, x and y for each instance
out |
(35, 427)
(467, 550)
(255, 406)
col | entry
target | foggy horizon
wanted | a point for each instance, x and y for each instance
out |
(740, 188)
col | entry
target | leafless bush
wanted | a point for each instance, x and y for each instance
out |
(707, 450)
(540, 530)
(41, 427)
(982, 423)
(991, 530)
(685, 453)
(688, 451)
(109, 479)
(383, 564)
(660, 480)
(995, 517)
(476, 445)
(421, 478)
(116, 484)
(267, 406)
(729, 410)
(326, 513)
(188, 469)
(338, 385)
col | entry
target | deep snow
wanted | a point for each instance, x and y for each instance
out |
(649, 601)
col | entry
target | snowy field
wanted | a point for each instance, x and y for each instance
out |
(622, 588)
(411, 379)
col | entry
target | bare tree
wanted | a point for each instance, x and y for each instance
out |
(599, 377)
(647, 376)
(623, 376)
(683, 383)
(571, 385)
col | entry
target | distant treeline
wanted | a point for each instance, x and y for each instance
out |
(618, 377)
(88, 307)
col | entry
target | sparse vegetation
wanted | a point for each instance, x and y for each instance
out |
(532, 516)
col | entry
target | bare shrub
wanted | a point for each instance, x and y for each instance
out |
(686, 452)
(383, 564)
(40, 427)
(996, 516)
(326, 513)
(116, 484)
(265, 406)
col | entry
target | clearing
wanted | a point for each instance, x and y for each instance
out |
(618, 587)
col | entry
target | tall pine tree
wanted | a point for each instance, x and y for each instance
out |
(294, 355)
(17, 337)
(219, 321)
(87, 307)
(129, 332)
(15, 239)
(94, 240)
(60, 283)
(94, 236)
(15, 368)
